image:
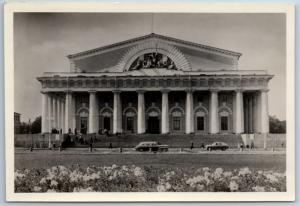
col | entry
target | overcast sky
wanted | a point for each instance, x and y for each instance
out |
(43, 40)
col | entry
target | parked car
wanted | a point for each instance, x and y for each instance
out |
(151, 146)
(217, 146)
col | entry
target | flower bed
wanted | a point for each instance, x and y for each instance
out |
(147, 179)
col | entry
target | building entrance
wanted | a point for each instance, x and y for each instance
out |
(153, 125)
(83, 125)
(107, 123)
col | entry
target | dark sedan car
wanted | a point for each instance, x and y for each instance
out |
(217, 146)
(151, 146)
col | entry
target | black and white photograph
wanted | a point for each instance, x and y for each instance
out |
(168, 103)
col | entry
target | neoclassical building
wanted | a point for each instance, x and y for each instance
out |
(156, 84)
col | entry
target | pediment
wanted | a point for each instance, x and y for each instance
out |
(185, 56)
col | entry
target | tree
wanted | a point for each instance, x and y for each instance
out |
(36, 125)
(277, 126)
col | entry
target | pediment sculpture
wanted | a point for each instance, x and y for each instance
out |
(152, 60)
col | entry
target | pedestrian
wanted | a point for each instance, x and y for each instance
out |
(202, 145)
(91, 146)
(192, 145)
(242, 146)
(252, 145)
(105, 132)
(110, 145)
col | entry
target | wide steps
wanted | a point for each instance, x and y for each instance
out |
(174, 141)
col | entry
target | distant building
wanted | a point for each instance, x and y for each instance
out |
(17, 122)
(156, 84)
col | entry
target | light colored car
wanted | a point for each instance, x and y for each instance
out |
(151, 146)
(217, 146)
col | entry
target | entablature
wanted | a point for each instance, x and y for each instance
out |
(128, 83)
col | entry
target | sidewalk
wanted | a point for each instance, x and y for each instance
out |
(128, 151)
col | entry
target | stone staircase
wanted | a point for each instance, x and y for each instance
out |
(173, 140)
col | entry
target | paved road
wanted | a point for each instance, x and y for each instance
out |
(46, 158)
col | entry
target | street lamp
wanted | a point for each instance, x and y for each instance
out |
(29, 132)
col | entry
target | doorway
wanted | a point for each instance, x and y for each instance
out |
(83, 125)
(153, 125)
(106, 123)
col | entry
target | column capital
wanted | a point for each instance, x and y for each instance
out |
(214, 90)
(92, 91)
(239, 90)
(264, 90)
(165, 91)
(68, 91)
(116, 91)
(141, 91)
(189, 90)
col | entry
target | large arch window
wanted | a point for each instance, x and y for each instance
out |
(225, 119)
(82, 119)
(130, 119)
(153, 117)
(177, 119)
(106, 118)
(201, 119)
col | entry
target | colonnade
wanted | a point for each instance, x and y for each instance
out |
(59, 112)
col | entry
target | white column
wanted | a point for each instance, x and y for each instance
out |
(257, 111)
(141, 113)
(120, 130)
(264, 112)
(250, 107)
(213, 109)
(73, 113)
(63, 116)
(55, 111)
(45, 119)
(117, 121)
(264, 115)
(58, 114)
(50, 113)
(189, 123)
(239, 105)
(165, 113)
(92, 111)
(68, 112)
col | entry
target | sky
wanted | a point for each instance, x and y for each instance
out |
(43, 40)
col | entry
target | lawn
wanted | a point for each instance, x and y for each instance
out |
(46, 159)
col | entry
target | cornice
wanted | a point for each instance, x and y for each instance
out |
(153, 35)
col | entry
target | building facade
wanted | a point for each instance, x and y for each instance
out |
(17, 122)
(156, 84)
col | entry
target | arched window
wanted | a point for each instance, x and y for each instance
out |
(201, 119)
(82, 119)
(106, 118)
(176, 119)
(225, 119)
(130, 119)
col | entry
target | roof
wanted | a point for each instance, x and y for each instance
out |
(153, 35)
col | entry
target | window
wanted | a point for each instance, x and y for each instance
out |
(224, 123)
(176, 123)
(200, 123)
(200, 99)
(130, 123)
(224, 99)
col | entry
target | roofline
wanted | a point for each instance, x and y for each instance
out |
(228, 52)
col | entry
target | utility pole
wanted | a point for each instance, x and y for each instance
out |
(29, 132)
